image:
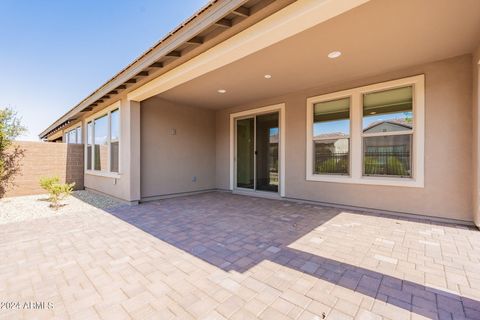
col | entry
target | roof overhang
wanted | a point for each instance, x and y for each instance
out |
(380, 40)
(285, 23)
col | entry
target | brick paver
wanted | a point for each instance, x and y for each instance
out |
(223, 256)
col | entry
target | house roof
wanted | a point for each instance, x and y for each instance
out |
(339, 135)
(399, 122)
(212, 24)
(332, 135)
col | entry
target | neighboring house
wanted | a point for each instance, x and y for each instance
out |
(193, 112)
(336, 142)
(389, 126)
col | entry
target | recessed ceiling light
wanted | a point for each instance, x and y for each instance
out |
(373, 112)
(267, 76)
(334, 54)
(221, 91)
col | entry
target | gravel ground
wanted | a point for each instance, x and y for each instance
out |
(17, 209)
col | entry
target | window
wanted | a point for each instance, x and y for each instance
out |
(370, 135)
(89, 145)
(79, 135)
(114, 137)
(331, 132)
(103, 141)
(74, 135)
(388, 132)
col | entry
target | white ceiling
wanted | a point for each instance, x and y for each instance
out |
(375, 38)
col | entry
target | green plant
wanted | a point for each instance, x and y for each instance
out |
(10, 154)
(56, 191)
(333, 165)
(372, 166)
(392, 166)
(397, 168)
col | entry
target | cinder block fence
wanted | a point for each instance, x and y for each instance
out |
(44, 159)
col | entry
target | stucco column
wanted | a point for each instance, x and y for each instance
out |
(131, 148)
(476, 132)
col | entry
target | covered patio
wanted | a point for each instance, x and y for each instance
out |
(223, 256)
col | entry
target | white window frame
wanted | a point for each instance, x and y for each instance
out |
(107, 111)
(281, 152)
(81, 133)
(356, 135)
(70, 129)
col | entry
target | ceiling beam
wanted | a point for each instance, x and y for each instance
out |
(99, 101)
(224, 23)
(156, 65)
(106, 96)
(195, 40)
(242, 11)
(131, 81)
(174, 54)
(113, 92)
(90, 108)
(122, 86)
(142, 74)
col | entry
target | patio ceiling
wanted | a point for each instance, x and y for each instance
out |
(375, 38)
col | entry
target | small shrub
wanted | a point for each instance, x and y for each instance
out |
(392, 166)
(333, 166)
(56, 191)
(372, 166)
(396, 167)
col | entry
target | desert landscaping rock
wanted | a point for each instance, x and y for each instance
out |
(25, 208)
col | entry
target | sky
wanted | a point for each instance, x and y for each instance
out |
(55, 53)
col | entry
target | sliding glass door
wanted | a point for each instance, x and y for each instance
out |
(245, 153)
(257, 143)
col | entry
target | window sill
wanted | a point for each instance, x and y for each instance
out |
(104, 174)
(379, 181)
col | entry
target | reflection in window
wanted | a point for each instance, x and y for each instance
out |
(387, 132)
(114, 137)
(388, 155)
(331, 132)
(79, 134)
(101, 143)
(74, 136)
(89, 145)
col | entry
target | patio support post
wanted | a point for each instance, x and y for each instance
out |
(476, 138)
(130, 113)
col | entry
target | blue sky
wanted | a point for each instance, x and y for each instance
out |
(54, 53)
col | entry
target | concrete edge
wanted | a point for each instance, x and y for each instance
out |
(132, 203)
(175, 195)
(387, 213)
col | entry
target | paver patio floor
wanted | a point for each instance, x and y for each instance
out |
(224, 256)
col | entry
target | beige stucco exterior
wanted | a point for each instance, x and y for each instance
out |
(126, 185)
(448, 139)
(156, 163)
(175, 127)
(476, 133)
(177, 148)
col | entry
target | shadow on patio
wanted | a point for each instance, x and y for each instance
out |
(236, 233)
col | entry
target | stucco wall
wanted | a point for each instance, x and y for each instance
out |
(47, 159)
(448, 147)
(177, 144)
(476, 133)
(126, 185)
